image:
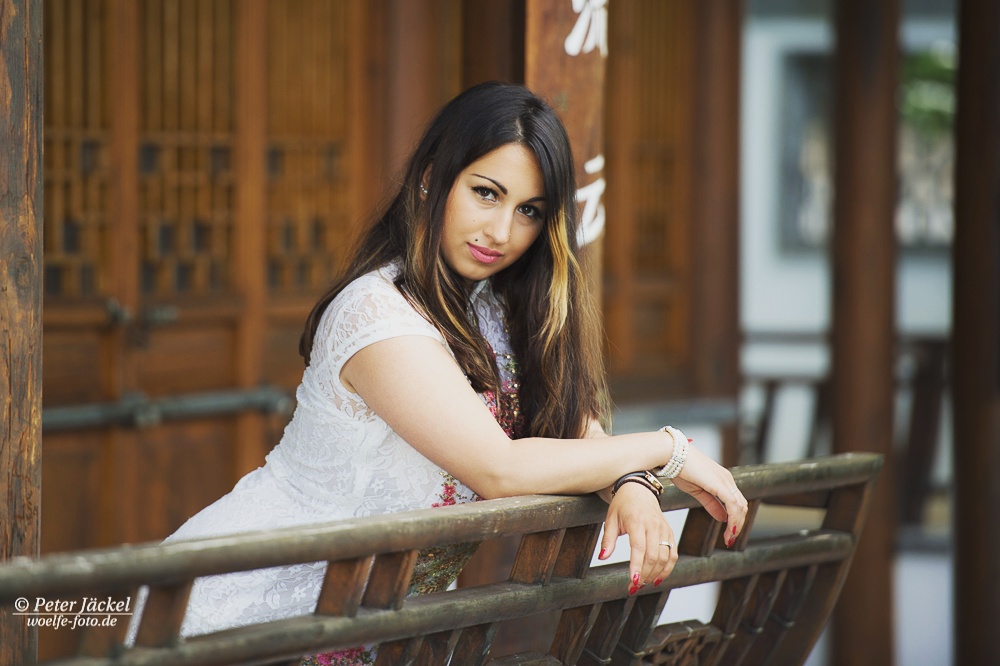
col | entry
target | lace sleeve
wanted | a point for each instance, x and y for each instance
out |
(367, 311)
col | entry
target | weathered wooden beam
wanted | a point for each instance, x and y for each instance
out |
(976, 334)
(20, 301)
(864, 269)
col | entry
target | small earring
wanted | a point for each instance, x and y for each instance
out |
(423, 190)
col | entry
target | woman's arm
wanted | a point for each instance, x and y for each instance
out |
(418, 389)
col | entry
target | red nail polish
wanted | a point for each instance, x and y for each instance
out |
(632, 590)
(604, 553)
(635, 579)
(734, 530)
(656, 583)
(690, 440)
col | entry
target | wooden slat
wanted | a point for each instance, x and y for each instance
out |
(163, 615)
(536, 557)
(734, 598)
(576, 551)
(343, 586)
(474, 644)
(399, 653)
(437, 648)
(575, 626)
(700, 534)
(641, 620)
(607, 629)
(100, 641)
(687, 642)
(741, 651)
(788, 604)
(389, 580)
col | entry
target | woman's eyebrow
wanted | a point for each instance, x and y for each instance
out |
(504, 189)
(497, 183)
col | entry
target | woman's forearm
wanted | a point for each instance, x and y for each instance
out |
(538, 465)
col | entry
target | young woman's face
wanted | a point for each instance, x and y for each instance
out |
(494, 212)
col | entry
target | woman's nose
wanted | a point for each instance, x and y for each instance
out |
(499, 225)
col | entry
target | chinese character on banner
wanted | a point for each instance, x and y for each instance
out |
(591, 29)
(592, 218)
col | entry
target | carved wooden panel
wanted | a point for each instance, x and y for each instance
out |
(186, 147)
(308, 212)
(76, 148)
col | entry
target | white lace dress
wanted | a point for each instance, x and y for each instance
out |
(337, 459)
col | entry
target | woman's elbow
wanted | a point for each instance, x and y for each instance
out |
(498, 482)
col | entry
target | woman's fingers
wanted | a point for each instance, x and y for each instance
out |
(714, 487)
(652, 554)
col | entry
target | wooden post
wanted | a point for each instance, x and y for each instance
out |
(20, 302)
(251, 214)
(715, 323)
(864, 268)
(976, 334)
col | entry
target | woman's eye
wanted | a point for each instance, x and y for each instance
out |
(486, 193)
(529, 211)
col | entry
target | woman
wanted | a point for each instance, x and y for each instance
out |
(457, 358)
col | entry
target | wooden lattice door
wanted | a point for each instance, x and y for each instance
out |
(197, 200)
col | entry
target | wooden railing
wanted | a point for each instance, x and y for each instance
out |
(779, 582)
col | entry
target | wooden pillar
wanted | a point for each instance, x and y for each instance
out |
(864, 268)
(20, 301)
(976, 335)
(715, 316)
(251, 213)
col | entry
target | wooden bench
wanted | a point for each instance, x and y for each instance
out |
(778, 583)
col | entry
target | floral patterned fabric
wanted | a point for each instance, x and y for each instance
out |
(338, 459)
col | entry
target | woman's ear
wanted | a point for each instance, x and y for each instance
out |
(425, 180)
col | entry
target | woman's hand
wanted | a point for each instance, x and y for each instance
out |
(636, 511)
(713, 486)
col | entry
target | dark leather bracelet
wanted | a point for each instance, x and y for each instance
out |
(644, 477)
(634, 479)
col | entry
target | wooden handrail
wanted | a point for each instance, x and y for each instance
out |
(372, 560)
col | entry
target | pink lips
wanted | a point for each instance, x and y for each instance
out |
(484, 254)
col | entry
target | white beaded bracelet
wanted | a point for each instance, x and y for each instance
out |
(679, 455)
